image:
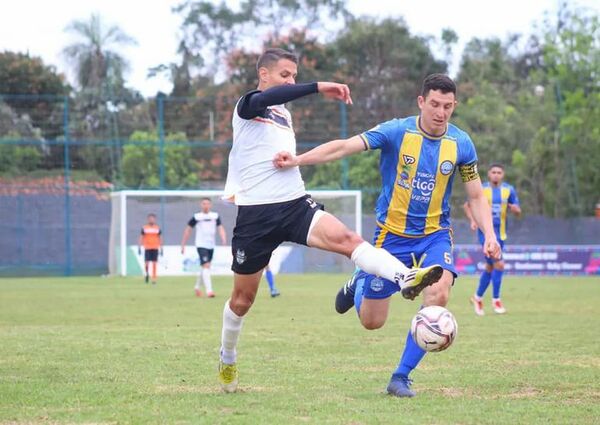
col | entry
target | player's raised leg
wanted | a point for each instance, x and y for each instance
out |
(330, 234)
(244, 291)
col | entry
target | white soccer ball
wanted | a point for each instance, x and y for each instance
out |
(434, 328)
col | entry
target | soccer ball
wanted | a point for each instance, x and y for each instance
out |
(434, 328)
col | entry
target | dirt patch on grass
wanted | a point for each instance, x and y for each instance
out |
(525, 392)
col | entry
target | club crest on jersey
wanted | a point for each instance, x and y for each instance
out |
(240, 256)
(408, 160)
(446, 167)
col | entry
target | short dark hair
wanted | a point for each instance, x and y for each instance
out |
(439, 82)
(496, 165)
(205, 199)
(274, 55)
(151, 215)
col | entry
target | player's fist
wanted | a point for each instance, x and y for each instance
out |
(473, 225)
(285, 160)
(491, 248)
(335, 91)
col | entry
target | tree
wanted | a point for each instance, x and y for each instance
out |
(141, 167)
(95, 57)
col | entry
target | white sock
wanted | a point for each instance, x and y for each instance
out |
(232, 326)
(207, 280)
(198, 280)
(379, 262)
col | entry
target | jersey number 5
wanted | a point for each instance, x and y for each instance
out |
(448, 258)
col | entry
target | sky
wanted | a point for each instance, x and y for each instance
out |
(37, 26)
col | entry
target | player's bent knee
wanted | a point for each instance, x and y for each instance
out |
(372, 323)
(241, 302)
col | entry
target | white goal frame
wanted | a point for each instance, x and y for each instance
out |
(124, 194)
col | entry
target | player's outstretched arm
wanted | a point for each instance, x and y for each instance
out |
(326, 152)
(482, 214)
(255, 103)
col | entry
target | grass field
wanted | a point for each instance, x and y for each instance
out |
(104, 350)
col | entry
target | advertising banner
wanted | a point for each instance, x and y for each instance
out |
(174, 263)
(534, 260)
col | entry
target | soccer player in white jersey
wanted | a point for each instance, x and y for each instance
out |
(273, 205)
(207, 223)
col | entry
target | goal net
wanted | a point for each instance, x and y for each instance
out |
(174, 208)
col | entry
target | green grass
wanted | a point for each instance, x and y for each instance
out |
(102, 350)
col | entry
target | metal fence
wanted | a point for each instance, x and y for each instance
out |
(60, 156)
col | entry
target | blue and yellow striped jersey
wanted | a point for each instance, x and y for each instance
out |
(499, 197)
(417, 171)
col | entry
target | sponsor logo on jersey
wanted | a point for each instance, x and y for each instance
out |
(408, 160)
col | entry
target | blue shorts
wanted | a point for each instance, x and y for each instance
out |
(435, 248)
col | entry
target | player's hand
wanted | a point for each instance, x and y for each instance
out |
(285, 160)
(335, 91)
(473, 225)
(491, 248)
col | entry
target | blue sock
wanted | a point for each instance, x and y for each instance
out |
(358, 294)
(484, 282)
(497, 282)
(411, 357)
(270, 280)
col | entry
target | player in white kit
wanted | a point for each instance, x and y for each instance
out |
(207, 223)
(273, 206)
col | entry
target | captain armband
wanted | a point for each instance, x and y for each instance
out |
(468, 172)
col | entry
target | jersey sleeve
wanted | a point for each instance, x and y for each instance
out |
(254, 103)
(192, 222)
(380, 136)
(467, 160)
(512, 197)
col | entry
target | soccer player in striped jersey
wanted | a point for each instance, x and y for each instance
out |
(502, 198)
(420, 155)
(273, 206)
(151, 240)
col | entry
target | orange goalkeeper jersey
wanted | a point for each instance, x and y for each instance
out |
(151, 236)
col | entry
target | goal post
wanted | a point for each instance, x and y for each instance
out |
(173, 209)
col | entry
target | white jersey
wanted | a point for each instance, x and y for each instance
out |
(252, 179)
(206, 227)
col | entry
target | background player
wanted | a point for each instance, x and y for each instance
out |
(273, 205)
(419, 157)
(271, 281)
(151, 240)
(502, 198)
(208, 223)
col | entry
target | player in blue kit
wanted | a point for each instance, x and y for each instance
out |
(420, 156)
(502, 198)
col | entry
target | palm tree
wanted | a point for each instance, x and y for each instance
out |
(94, 56)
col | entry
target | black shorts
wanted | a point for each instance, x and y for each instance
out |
(259, 229)
(151, 255)
(205, 255)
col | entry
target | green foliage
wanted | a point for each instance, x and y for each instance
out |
(140, 164)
